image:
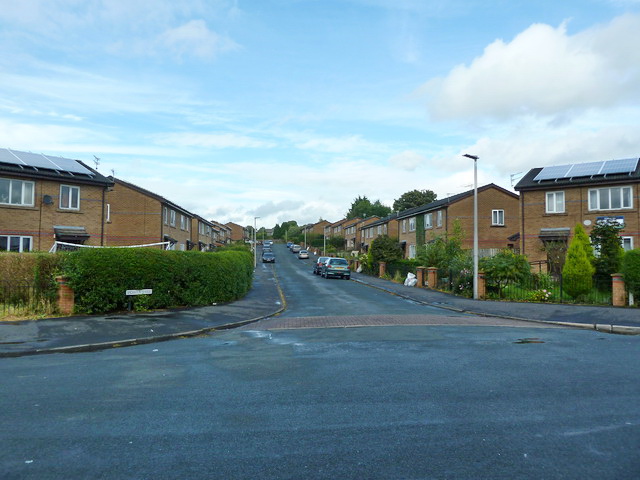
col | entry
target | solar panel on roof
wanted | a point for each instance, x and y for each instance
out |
(35, 160)
(69, 165)
(552, 172)
(585, 169)
(625, 165)
(7, 157)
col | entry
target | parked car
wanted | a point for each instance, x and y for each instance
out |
(289, 244)
(303, 254)
(336, 267)
(296, 248)
(317, 266)
(268, 257)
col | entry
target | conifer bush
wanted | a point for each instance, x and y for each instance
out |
(578, 271)
(631, 271)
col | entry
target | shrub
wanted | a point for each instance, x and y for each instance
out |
(577, 273)
(631, 271)
(99, 277)
(505, 267)
(605, 236)
(385, 249)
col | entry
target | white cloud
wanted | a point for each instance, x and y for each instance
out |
(221, 140)
(545, 71)
(351, 143)
(195, 39)
(408, 160)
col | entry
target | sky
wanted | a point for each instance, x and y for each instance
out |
(290, 109)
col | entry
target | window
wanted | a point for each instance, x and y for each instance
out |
(428, 220)
(612, 198)
(497, 217)
(69, 197)
(404, 226)
(439, 218)
(183, 222)
(379, 229)
(108, 213)
(172, 218)
(15, 243)
(412, 224)
(16, 192)
(627, 243)
(555, 202)
(165, 214)
(412, 251)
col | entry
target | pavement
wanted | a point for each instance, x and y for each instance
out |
(96, 332)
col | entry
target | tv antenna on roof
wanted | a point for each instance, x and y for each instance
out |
(96, 161)
(515, 176)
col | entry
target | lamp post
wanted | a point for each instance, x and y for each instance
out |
(305, 236)
(475, 223)
(255, 243)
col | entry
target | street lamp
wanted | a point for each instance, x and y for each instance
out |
(475, 223)
(255, 240)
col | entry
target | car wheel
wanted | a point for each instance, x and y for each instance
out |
(347, 277)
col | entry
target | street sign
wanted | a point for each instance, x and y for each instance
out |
(144, 291)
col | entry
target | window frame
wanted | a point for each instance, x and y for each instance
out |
(22, 192)
(108, 213)
(498, 212)
(609, 189)
(412, 250)
(412, 224)
(404, 225)
(165, 215)
(71, 189)
(439, 218)
(428, 220)
(21, 240)
(622, 240)
(172, 218)
(555, 193)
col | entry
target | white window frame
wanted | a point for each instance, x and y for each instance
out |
(551, 207)
(629, 240)
(412, 224)
(404, 226)
(172, 218)
(439, 218)
(599, 194)
(23, 193)
(428, 220)
(108, 214)
(412, 251)
(379, 229)
(20, 245)
(71, 190)
(497, 218)
(165, 214)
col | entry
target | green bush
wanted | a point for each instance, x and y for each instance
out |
(578, 271)
(385, 249)
(504, 268)
(631, 271)
(100, 277)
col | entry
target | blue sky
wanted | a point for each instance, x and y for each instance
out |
(289, 109)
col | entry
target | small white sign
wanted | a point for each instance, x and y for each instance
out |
(145, 291)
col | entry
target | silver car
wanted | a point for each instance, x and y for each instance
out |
(336, 267)
(303, 254)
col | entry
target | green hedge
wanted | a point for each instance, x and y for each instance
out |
(100, 277)
(631, 271)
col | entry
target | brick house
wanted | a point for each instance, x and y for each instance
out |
(353, 232)
(498, 219)
(222, 233)
(238, 233)
(383, 226)
(138, 216)
(315, 228)
(46, 198)
(202, 234)
(554, 199)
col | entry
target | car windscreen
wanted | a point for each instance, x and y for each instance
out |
(338, 261)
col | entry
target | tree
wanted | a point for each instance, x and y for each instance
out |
(413, 198)
(362, 207)
(605, 237)
(505, 267)
(385, 249)
(579, 233)
(577, 273)
(631, 270)
(446, 252)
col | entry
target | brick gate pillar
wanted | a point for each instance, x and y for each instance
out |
(66, 297)
(482, 286)
(432, 277)
(619, 295)
(420, 276)
(383, 269)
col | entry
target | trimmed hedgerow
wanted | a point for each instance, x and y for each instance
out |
(100, 277)
(631, 270)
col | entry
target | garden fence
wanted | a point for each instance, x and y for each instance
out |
(21, 300)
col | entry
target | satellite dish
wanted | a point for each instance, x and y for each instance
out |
(587, 223)
(47, 200)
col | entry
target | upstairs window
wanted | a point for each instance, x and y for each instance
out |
(555, 202)
(404, 226)
(497, 217)
(412, 224)
(16, 192)
(612, 198)
(172, 218)
(165, 215)
(627, 243)
(439, 218)
(428, 220)
(69, 197)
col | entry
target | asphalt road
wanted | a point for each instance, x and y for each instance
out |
(348, 403)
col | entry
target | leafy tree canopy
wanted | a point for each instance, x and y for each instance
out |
(413, 198)
(605, 237)
(385, 249)
(363, 208)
